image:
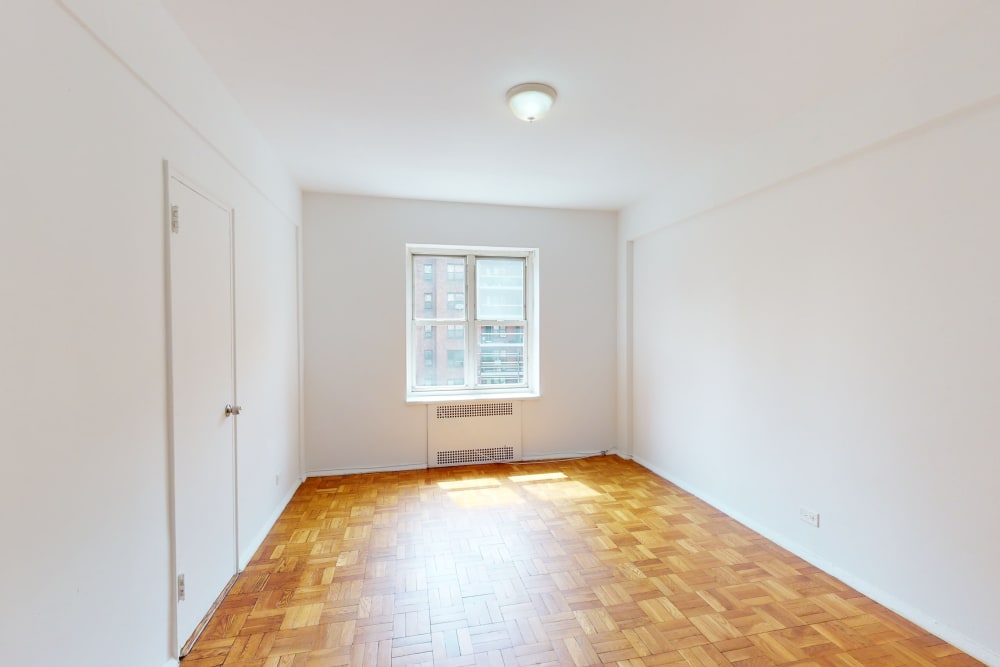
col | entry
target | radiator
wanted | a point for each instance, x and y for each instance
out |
(463, 433)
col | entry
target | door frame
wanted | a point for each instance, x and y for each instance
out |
(170, 174)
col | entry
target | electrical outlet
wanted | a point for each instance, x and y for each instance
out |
(277, 478)
(809, 516)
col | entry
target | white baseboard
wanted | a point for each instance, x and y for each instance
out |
(548, 456)
(265, 528)
(357, 471)
(555, 456)
(932, 625)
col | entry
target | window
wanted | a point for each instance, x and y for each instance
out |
(489, 315)
(429, 272)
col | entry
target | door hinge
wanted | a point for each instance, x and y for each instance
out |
(180, 587)
(175, 219)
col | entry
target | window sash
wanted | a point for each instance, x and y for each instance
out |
(473, 355)
(467, 318)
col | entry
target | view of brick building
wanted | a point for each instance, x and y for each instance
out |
(442, 310)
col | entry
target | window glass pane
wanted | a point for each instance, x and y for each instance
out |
(434, 296)
(456, 301)
(499, 288)
(470, 333)
(439, 358)
(423, 271)
(501, 355)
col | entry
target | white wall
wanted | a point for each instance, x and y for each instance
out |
(831, 342)
(355, 319)
(952, 73)
(267, 367)
(84, 499)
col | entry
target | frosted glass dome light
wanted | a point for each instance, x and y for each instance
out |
(531, 101)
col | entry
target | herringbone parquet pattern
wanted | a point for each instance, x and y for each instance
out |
(588, 562)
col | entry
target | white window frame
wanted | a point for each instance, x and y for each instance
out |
(415, 323)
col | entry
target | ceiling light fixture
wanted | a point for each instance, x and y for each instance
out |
(531, 101)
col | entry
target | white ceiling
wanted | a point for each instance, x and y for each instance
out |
(403, 98)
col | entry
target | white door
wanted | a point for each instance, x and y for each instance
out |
(202, 384)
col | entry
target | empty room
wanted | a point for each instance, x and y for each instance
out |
(651, 332)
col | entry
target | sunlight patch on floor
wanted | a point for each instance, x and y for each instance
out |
(474, 483)
(566, 490)
(485, 497)
(537, 477)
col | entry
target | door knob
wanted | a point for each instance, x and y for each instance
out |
(233, 409)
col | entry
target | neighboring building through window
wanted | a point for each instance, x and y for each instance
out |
(476, 332)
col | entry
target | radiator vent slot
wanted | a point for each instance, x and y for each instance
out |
(473, 432)
(474, 410)
(488, 455)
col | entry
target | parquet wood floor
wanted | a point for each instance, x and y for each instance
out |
(587, 562)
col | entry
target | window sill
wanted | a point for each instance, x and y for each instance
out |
(465, 398)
